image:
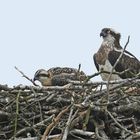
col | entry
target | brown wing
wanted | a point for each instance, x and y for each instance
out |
(127, 62)
(64, 70)
(95, 62)
(59, 80)
(102, 55)
(59, 70)
(63, 79)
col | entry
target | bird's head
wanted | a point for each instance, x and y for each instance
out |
(109, 32)
(43, 77)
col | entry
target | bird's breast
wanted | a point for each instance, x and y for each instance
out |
(108, 68)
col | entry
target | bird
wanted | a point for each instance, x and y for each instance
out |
(128, 65)
(58, 76)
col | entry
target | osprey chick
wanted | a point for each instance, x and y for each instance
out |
(58, 76)
(108, 54)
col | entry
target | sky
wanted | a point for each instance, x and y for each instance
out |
(38, 34)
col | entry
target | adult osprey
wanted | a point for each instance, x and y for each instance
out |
(58, 76)
(108, 54)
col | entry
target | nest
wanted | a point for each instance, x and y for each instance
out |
(95, 111)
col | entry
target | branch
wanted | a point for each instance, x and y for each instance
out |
(26, 129)
(118, 124)
(66, 131)
(23, 75)
(79, 68)
(115, 66)
(100, 134)
(54, 123)
(17, 114)
(83, 133)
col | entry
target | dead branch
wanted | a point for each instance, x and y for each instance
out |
(66, 131)
(119, 123)
(55, 121)
(115, 66)
(23, 75)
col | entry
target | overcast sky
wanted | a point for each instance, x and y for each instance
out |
(47, 33)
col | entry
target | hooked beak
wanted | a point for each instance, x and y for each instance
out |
(35, 78)
(103, 34)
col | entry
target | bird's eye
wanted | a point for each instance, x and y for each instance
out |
(107, 31)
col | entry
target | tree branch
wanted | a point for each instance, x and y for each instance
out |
(23, 75)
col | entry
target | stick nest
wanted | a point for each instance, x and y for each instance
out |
(75, 111)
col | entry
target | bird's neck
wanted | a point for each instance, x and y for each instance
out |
(112, 42)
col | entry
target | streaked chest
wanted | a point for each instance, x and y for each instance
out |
(102, 54)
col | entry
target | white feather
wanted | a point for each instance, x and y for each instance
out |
(108, 67)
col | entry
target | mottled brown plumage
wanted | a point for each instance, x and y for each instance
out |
(58, 76)
(108, 54)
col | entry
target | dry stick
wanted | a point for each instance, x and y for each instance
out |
(29, 126)
(78, 72)
(79, 67)
(54, 123)
(107, 72)
(104, 91)
(80, 117)
(38, 103)
(100, 72)
(114, 67)
(97, 131)
(23, 75)
(91, 76)
(117, 123)
(17, 113)
(108, 87)
(83, 133)
(66, 131)
(25, 129)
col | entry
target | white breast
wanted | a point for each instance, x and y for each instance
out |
(108, 67)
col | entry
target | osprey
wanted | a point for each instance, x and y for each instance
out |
(108, 54)
(58, 76)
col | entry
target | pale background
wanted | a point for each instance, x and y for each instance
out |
(47, 33)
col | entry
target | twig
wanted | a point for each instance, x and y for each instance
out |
(100, 72)
(97, 130)
(125, 82)
(79, 67)
(23, 75)
(66, 131)
(25, 129)
(118, 124)
(115, 66)
(83, 133)
(17, 113)
(86, 118)
(80, 117)
(54, 123)
(134, 125)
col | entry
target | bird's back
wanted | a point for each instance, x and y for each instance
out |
(64, 70)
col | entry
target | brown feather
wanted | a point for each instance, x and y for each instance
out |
(108, 53)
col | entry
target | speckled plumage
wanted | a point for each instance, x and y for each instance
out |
(58, 76)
